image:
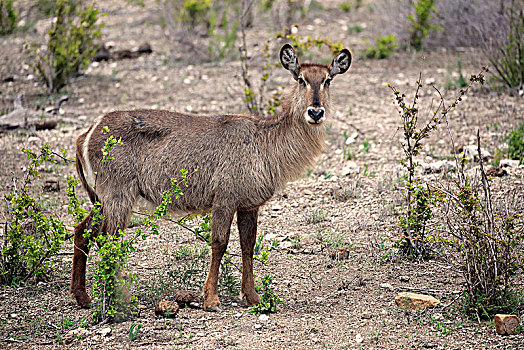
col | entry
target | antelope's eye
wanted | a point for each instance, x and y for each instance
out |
(327, 82)
(301, 81)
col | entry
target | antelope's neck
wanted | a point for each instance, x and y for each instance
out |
(293, 146)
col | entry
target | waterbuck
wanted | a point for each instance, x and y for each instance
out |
(242, 159)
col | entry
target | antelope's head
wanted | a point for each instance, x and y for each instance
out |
(312, 92)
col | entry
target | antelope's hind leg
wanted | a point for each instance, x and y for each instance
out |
(77, 288)
(247, 229)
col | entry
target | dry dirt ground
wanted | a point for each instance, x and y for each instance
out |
(327, 303)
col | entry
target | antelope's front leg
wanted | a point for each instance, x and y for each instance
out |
(247, 229)
(220, 230)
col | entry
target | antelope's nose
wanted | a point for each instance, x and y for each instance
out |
(315, 114)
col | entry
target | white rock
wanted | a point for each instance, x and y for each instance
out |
(276, 207)
(350, 168)
(263, 317)
(509, 163)
(104, 331)
(386, 286)
(359, 339)
(257, 326)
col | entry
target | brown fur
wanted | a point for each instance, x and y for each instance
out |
(242, 159)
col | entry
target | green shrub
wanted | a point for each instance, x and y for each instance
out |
(415, 239)
(508, 57)
(70, 45)
(421, 22)
(8, 17)
(515, 140)
(490, 244)
(346, 6)
(268, 300)
(383, 48)
(33, 236)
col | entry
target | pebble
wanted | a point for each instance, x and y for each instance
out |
(263, 317)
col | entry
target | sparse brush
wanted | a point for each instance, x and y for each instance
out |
(490, 243)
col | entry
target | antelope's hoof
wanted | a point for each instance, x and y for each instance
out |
(212, 308)
(82, 299)
(249, 299)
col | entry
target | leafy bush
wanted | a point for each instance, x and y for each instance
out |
(416, 241)
(516, 144)
(383, 48)
(268, 300)
(8, 17)
(490, 243)
(32, 236)
(197, 23)
(421, 22)
(70, 45)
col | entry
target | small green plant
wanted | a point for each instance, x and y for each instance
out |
(507, 56)
(458, 81)
(421, 22)
(355, 28)
(515, 139)
(32, 236)
(346, 6)
(316, 216)
(70, 45)
(268, 300)
(222, 45)
(384, 47)
(134, 331)
(8, 17)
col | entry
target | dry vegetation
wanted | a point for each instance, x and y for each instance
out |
(340, 203)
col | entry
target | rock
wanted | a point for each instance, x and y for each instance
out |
(404, 278)
(509, 163)
(263, 317)
(506, 324)
(257, 326)
(472, 152)
(359, 339)
(350, 168)
(104, 331)
(437, 167)
(166, 308)
(75, 334)
(366, 315)
(339, 254)
(186, 298)
(276, 207)
(51, 185)
(413, 301)
(496, 172)
(386, 286)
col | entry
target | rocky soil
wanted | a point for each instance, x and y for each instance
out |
(328, 303)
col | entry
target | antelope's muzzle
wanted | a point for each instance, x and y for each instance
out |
(315, 115)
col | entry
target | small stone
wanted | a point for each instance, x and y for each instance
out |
(166, 308)
(509, 163)
(359, 339)
(437, 167)
(75, 334)
(276, 207)
(33, 139)
(200, 334)
(506, 324)
(472, 152)
(413, 301)
(51, 185)
(386, 286)
(350, 168)
(339, 254)
(257, 326)
(366, 315)
(496, 172)
(263, 317)
(104, 332)
(404, 278)
(186, 298)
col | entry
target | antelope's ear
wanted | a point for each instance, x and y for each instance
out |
(340, 63)
(289, 60)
